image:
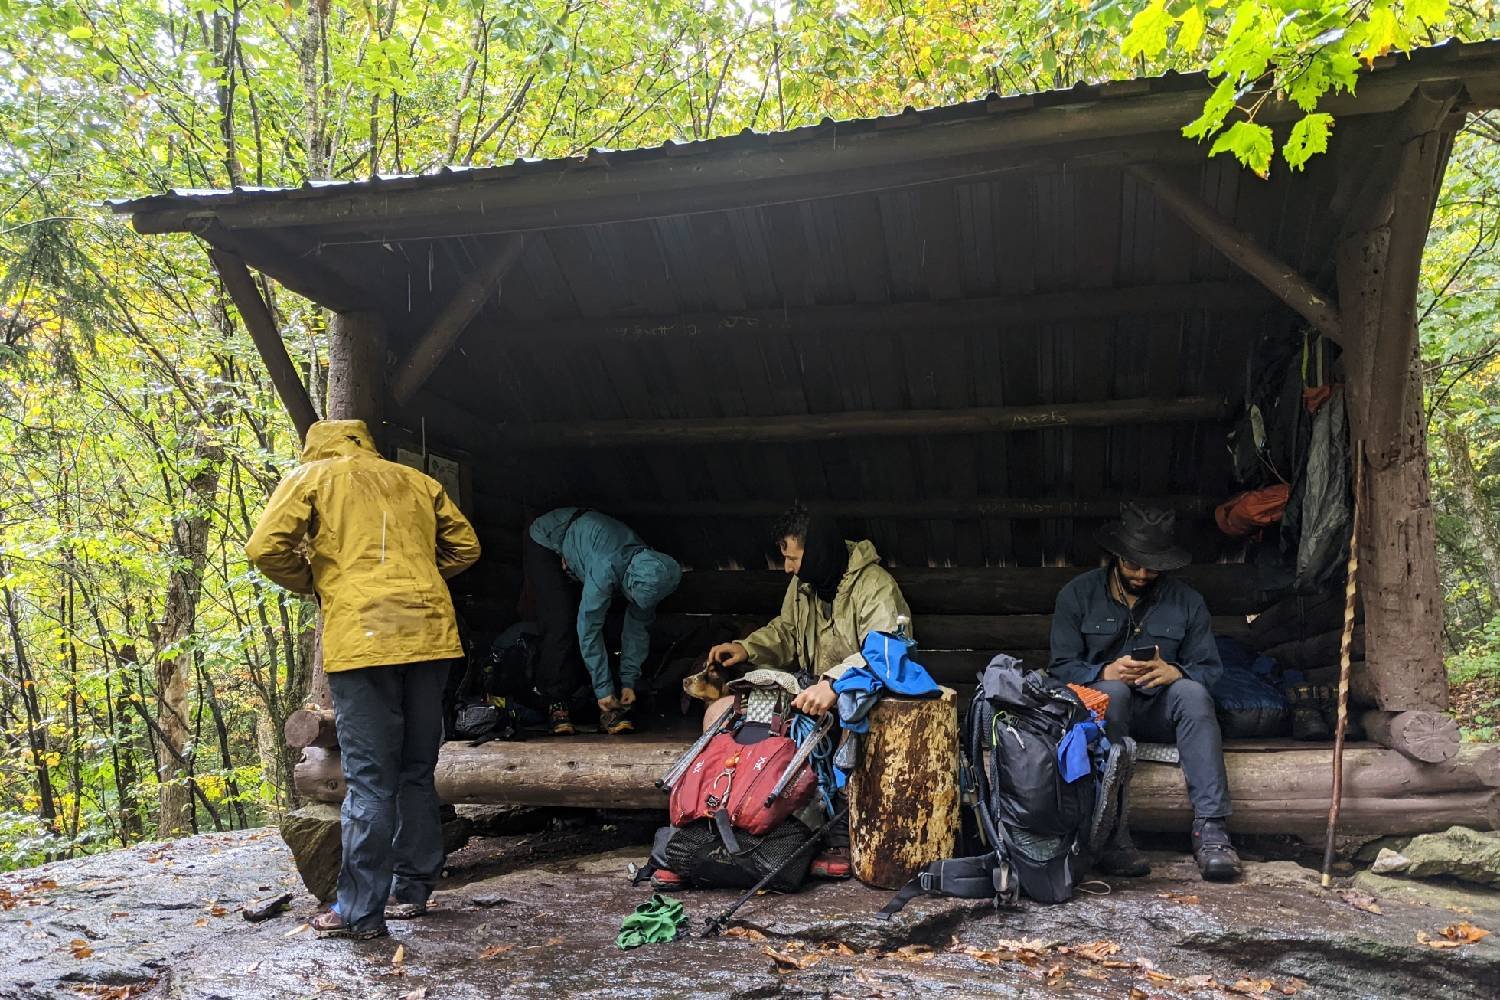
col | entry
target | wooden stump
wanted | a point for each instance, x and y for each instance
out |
(311, 728)
(903, 797)
(319, 775)
(1431, 737)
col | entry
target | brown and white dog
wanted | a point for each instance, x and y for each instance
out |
(710, 683)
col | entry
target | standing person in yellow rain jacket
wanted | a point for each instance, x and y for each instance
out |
(375, 542)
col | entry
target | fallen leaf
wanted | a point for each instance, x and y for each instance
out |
(297, 930)
(201, 922)
(1160, 977)
(786, 961)
(1097, 951)
(420, 993)
(1294, 986)
(1056, 974)
(80, 948)
(914, 953)
(1465, 933)
(1251, 987)
(845, 950)
(495, 950)
(1179, 897)
(217, 911)
(1361, 901)
(400, 955)
(748, 933)
(1136, 993)
(1424, 938)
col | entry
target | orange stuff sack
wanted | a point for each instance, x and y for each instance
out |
(1095, 701)
(1250, 512)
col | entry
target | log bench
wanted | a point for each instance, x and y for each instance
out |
(1278, 786)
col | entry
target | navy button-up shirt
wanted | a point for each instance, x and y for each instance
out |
(1090, 629)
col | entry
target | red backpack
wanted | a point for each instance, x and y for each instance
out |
(755, 786)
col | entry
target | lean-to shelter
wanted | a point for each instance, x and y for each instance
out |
(972, 330)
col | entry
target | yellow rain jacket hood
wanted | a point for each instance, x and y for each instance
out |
(868, 599)
(381, 538)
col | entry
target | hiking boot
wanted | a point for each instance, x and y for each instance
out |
(1214, 853)
(1121, 856)
(329, 924)
(615, 722)
(1308, 724)
(666, 880)
(405, 911)
(831, 864)
(560, 720)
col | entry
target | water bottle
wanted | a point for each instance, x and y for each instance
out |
(903, 631)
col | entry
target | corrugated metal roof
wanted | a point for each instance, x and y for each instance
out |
(1445, 54)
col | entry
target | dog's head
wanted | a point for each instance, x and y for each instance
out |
(710, 683)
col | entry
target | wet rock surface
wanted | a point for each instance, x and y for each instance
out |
(534, 913)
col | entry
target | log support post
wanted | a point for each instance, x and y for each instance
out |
(268, 343)
(1377, 270)
(1279, 278)
(356, 391)
(433, 346)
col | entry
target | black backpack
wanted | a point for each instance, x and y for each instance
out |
(1030, 831)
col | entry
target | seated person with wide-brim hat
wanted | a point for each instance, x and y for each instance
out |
(1143, 637)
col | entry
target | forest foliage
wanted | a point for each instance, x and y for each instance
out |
(145, 669)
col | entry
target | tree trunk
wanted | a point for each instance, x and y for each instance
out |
(1398, 575)
(1485, 526)
(189, 550)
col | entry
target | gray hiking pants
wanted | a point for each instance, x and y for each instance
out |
(1181, 713)
(390, 725)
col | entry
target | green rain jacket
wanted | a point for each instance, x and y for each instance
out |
(867, 599)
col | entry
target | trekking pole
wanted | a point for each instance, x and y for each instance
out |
(713, 925)
(1345, 640)
(668, 780)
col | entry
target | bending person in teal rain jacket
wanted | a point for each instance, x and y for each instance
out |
(608, 558)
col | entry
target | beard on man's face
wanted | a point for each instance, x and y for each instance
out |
(1134, 586)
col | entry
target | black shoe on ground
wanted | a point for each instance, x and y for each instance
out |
(1214, 853)
(559, 720)
(1121, 857)
(1308, 723)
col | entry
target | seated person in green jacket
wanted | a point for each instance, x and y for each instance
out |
(837, 594)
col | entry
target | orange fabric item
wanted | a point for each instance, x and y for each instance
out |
(1095, 701)
(1249, 512)
(1313, 398)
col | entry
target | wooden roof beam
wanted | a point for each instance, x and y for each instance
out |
(935, 509)
(1280, 278)
(433, 346)
(944, 315)
(268, 343)
(836, 426)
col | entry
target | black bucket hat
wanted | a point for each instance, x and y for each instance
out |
(1144, 535)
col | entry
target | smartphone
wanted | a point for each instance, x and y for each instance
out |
(1143, 653)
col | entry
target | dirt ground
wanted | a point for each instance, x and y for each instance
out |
(532, 907)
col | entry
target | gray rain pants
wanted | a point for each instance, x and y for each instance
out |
(1181, 713)
(390, 725)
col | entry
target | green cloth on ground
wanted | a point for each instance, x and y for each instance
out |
(658, 919)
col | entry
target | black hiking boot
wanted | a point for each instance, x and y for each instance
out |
(1121, 856)
(1214, 853)
(1308, 724)
(560, 720)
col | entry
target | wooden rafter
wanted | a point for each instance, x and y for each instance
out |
(835, 426)
(1280, 278)
(433, 346)
(935, 509)
(958, 316)
(262, 326)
